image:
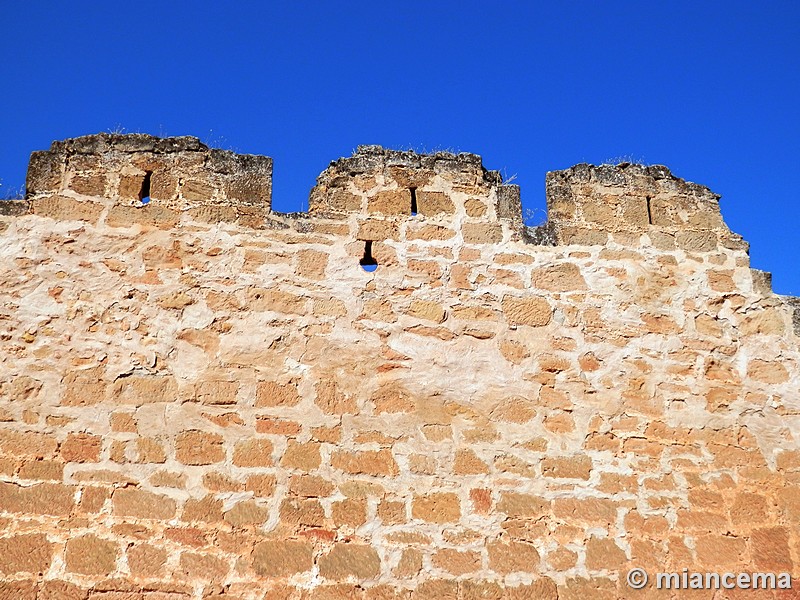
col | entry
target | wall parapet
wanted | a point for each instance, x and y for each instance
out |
(628, 204)
(375, 180)
(587, 203)
(177, 173)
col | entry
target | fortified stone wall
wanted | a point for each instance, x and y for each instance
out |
(200, 398)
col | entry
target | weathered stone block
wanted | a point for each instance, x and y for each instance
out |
(81, 448)
(635, 212)
(582, 236)
(767, 371)
(41, 499)
(207, 510)
(130, 187)
(60, 590)
(250, 189)
(302, 456)
(482, 233)
(253, 453)
(271, 393)
(91, 555)
(719, 551)
(563, 277)
(511, 557)
(262, 299)
(519, 505)
(89, 184)
(149, 215)
(331, 400)
(28, 443)
(282, 558)
(350, 560)
(475, 207)
(368, 462)
(425, 309)
(312, 264)
(217, 392)
(196, 189)
(696, 241)
(45, 173)
(333, 200)
(535, 311)
(457, 562)
(26, 553)
(302, 511)
(440, 507)
(247, 513)
(203, 567)
(600, 214)
(14, 208)
(509, 205)
(572, 467)
(390, 202)
(163, 186)
(137, 390)
(84, 387)
(377, 230)
(67, 209)
(467, 463)
(146, 560)
(590, 510)
(429, 232)
(349, 513)
(196, 447)
(141, 504)
(430, 203)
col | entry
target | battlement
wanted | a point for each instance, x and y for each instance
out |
(391, 183)
(382, 194)
(587, 204)
(134, 170)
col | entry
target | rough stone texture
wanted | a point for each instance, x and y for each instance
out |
(442, 187)
(212, 406)
(90, 555)
(629, 201)
(114, 172)
(11, 208)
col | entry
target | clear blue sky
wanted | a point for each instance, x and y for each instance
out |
(708, 88)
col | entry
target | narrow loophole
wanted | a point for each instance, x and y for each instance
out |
(367, 262)
(649, 214)
(144, 194)
(413, 202)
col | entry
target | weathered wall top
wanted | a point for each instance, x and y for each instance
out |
(403, 183)
(178, 172)
(586, 204)
(379, 191)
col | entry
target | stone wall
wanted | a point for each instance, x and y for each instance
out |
(203, 399)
